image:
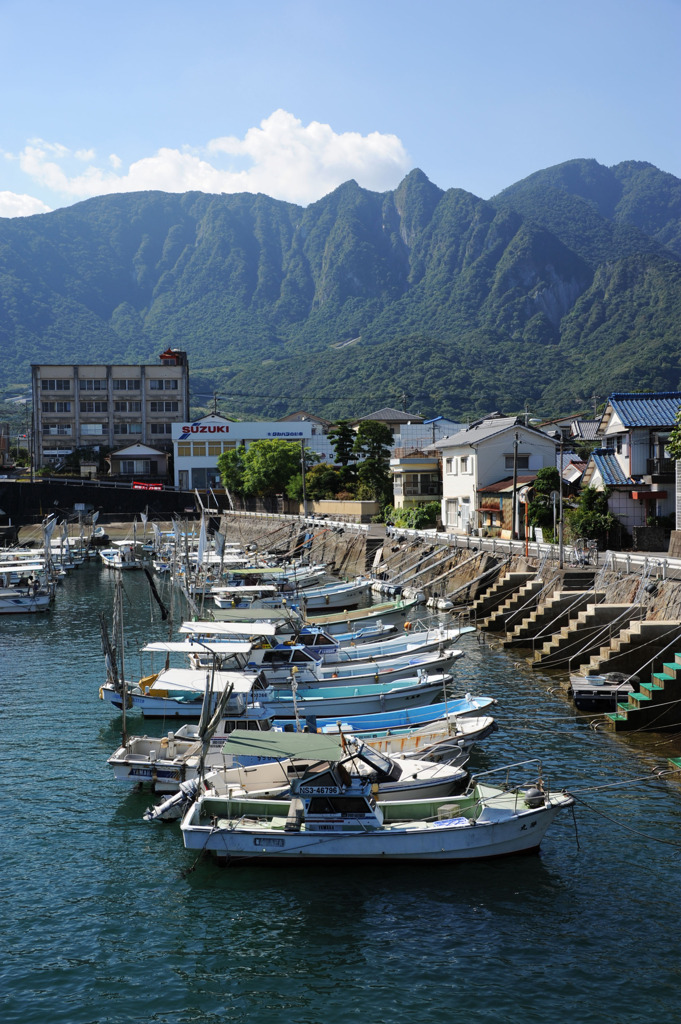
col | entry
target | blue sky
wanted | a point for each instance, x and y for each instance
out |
(293, 97)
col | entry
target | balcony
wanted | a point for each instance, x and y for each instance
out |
(660, 468)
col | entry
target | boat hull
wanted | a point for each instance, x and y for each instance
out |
(455, 838)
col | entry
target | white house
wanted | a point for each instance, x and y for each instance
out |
(634, 462)
(488, 452)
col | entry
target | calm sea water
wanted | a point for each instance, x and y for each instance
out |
(108, 919)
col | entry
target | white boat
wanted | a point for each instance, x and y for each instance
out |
(444, 739)
(262, 764)
(338, 701)
(279, 663)
(333, 814)
(24, 600)
(341, 622)
(334, 596)
(122, 556)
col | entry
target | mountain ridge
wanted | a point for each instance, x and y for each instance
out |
(566, 282)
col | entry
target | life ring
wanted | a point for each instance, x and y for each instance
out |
(408, 625)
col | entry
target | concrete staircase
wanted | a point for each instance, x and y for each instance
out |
(656, 705)
(585, 631)
(495, 595)
(551, 614)
(636, 646)
(518, 604)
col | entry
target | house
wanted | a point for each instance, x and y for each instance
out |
(395, 419)
(139, 462)
(633, 461)
(416, 478)
(489, 451)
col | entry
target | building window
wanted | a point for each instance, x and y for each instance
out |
(449, 466)
(163, 406)
(56, 385)
(464, 464)
(228, 446)
(127, 428)
(618, 444)
(162, 385)
(126, 384)
(56, 407)
(160, 428)
(94, 406)
(92, 385)
(127, 406)
(136, 467)
(56, 428)
(523, 462)
(199, 448)
(92, 428)
(184, 451)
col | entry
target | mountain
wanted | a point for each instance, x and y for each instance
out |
(564, 286)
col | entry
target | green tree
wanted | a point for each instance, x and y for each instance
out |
(592, 518)
(232, 467)
(674, 443)
(269, 465)
(372, 445)
(540, 508)
(343, 437)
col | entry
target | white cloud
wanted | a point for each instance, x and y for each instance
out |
(13, 205)
(282, 158)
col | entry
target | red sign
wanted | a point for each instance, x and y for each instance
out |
(137, 486)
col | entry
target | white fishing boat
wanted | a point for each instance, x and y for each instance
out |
(341, 622)
(444, 739)
(122, 556)
(262, 764)
(338, 701)
(28, 599)
(279, 663)
(334, 814)
(284, 631)
(334, 596)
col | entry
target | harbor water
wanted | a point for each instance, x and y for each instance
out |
(108, 919)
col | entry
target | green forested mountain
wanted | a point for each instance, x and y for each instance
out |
(565, 285)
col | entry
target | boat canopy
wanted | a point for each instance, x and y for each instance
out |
(230, 628)
(279, 745)
(191, 646)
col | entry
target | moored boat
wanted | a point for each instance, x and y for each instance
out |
(334, 814)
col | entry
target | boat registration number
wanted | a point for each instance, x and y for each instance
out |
(268, 842)
(319, 790)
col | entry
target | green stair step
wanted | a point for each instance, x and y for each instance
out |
(676, 761)
(623, 708)
(615, 716)
(639, 696)
(663, 677)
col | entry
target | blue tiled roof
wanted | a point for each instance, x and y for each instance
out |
(607, 465)
(657, 409)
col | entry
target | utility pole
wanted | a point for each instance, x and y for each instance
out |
(514, 524)
(560, 506)
(302, 467)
